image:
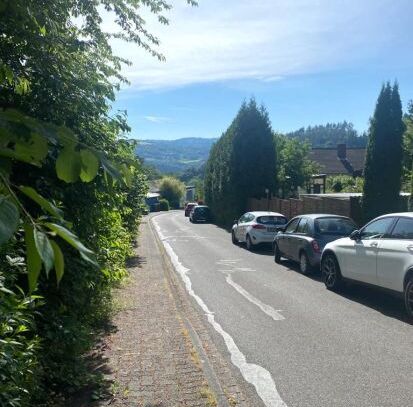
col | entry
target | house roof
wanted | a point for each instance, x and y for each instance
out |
(331, 164)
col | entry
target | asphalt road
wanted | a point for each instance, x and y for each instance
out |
(296, 343)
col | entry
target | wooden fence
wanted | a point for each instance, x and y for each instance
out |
(348, 206)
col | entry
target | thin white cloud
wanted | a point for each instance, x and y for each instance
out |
(157, 119)
(264, 40)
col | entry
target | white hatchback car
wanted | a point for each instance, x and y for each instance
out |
(254, 228)
(380, 254)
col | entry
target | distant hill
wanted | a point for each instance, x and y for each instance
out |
(175, 156)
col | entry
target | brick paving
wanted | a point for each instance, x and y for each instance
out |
(151, 357)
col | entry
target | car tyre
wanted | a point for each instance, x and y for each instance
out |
(330, 271)
(305, 266)
(277, 254)
(249, 244)
(234, 239)
(408, 297)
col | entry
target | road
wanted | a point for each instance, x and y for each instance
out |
(295, 342)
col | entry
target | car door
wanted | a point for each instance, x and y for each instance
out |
(239, 226)
(358, 258)
(285, 239)
(242, 226)
(297, 239)
(395, 255)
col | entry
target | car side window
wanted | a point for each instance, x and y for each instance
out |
(303, 226)
(292, 225)
(403, 229)
(250, 217)
(376, 229)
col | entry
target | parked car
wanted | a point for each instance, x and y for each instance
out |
(380, 254)
(200, 213)
(254, 228)
(188, 208)
(305, 236)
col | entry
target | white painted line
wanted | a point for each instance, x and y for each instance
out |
(270, 311)
(258, 376)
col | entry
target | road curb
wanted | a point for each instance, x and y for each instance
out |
(208, 369)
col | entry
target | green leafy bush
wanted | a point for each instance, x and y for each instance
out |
(163, 205)
(172, 190)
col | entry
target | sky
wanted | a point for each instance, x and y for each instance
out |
(308, 61)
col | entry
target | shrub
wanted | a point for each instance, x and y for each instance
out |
(172, 190)
(163, 205)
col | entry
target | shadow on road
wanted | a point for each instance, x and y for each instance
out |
(372, 297)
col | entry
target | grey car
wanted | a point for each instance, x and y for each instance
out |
(304, 237)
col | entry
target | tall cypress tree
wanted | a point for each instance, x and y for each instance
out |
(383, 167)
(241, 164)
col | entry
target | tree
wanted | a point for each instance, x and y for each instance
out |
(407, 183)
(294, 166)
(58, 78)
(241, 164)
(330, 135)
(172, 190)
(383, 167)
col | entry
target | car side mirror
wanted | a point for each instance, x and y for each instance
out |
(355, 235)
(280, 228)
(235, 221)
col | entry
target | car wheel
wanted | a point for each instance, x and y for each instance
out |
(408, 297)
(330, 271)
(234, 239)
(250, 246)
(305, 266)
(277, 254)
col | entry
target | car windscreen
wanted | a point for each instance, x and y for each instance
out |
(202, 211)
(272, 220)
(334, 226)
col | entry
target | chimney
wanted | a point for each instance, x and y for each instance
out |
(342, 151)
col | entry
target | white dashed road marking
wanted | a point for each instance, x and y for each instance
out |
(258, 376)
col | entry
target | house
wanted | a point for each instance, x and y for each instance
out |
(340, 160)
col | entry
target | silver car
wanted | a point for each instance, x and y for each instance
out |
(254, 228)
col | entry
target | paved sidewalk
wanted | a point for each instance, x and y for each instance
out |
(152, 355)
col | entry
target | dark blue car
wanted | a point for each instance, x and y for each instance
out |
(304, 237)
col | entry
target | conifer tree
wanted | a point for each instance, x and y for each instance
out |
(383, 167)
(241, 164)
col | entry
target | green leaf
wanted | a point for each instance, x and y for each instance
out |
(68, 165)
(34, 262)
(59, 261)
(73, 240)
(44, 249)
(90, 165)
(110, 168)
(35, 148)
(9, 219)
(43, 202)
(66, 137)
(127, 174)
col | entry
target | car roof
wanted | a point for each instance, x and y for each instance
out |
(405, 214)
(321, 215)
(263, 213)
(202, 206)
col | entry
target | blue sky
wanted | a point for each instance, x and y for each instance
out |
(308, 61)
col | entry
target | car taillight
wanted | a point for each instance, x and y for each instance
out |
(258, 226)
(315, 245)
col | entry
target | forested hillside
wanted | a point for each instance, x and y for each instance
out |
(330, 134)
(174, 156)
